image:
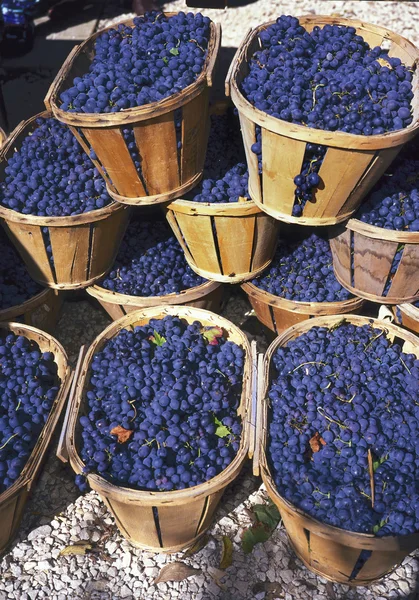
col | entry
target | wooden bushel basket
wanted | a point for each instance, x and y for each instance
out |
(352, 163)
(41, 311)
(13, 500)
(280, 313)
(407, 315)
(84, 246)
(166, 173)
(329, 551)
(160, 521)
(227, 242)
(207, 295)
(362, 260)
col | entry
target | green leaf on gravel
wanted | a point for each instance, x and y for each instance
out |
(76, 549)
(268, 514)
(254, 535)
(267, 520)
(227, 556)
(197, 546)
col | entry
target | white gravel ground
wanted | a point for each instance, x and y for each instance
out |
(57, 515)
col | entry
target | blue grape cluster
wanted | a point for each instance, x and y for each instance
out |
(50, 175)
(171, 389)
(394, 201)
(302, 271)
(28, 385)
(338, 393)
(150, 262)
(16, 285)
(132, 66)
(328, 79)
(225, 177)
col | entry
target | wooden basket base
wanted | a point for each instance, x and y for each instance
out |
(159, 198)
(226, 278)
(373, 297)
(158, 549)
(308, 221)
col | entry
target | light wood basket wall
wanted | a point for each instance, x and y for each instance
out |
(13, 500)
(84, 246)
(226, 242)
(181, 516)
(279, 313)
(373, 251)
(407, 315)
(352, 163)
(41, 311)
(166, 174)
(208, 295)
(326, 550)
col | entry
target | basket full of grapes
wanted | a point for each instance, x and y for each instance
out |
(299, 284)
(224, 235)
(159, 422)
(54, 206)
(35, 381)
(151, 270)
(337, 449)
(376, 254)
(136, 96)
(324, 108)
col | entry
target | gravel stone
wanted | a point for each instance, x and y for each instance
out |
(42, 531)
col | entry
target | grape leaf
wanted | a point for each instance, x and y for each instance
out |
(222, 430)
(197, 546)
(211, 334)
(227, 556)
(379, 525)
(254, 535)
(268, 514)
(122, 434)
(165, 60)
(76, 549)
(176, 571)
(174, 51)
(157, 339)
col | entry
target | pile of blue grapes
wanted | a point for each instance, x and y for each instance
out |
(150, 262)
(16, 285)
(327, 79)
(50, 175)
(171, 389)
(225, 177)
(29, 386)
(337, 393)
(157, 57)
(394, 201)
(302, 271)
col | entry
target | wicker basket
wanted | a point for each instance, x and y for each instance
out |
(83, 246)
(363, 257)
(352, 163)
(226, 242)
(165, 174)
(13, 500)
(161, 521)
(326, 550)
(208, 295)
(41, 311)
(279, 313)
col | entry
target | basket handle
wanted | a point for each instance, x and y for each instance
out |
(3, 136)
(260, 416)
(62, 452)
(61, 75)
(253, 406)
(213, 59)
(236, 59)
(385, 314)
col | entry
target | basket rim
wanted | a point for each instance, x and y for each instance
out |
(380, 233)
(236, 209)
(101, 293)
(28, 304)
(336, 139)
(28, 472)
(137, 113)
(298, 305)
(149, 498)
(409, 309)
(337, 533)
(8, 214)
(373, 297)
